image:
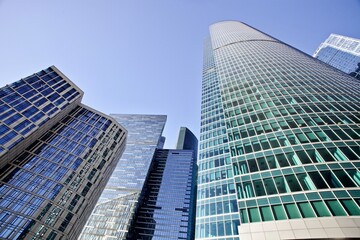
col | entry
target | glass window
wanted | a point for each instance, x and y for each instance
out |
(279, 212)
(266, 213)
(244, 216)
(306, 210)
(320, 209)
(344, 178)
(351, 207)
(254, 215)
(306, 182)
(292, 211)
(259, 188)
(293, 183)
(335, 208)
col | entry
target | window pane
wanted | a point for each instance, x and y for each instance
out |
(254, 215)
(292, 211)
(320, 209)
(306, 210)
(266, 214)
(335, 208)
(351, 207)
(279, 212)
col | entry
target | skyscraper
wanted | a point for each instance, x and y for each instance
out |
(279, 143)
(56, 156)
(118, 203)
(168, 208)
(342, 53)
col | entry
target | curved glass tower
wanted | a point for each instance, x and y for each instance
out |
(279, 143)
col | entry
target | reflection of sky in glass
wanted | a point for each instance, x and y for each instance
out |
(115, 208)
(144, 132)
(36, 174)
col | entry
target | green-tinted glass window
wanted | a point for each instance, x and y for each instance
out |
(279, 212)
(292, 211)
(254, 215)
(335, 208)
(355, 175)
(244, 216)
(293, 183)
(266, 213)
(306, 210)
(344, 178)
(259, 188)
(318, 180)
(270, 186)
(320, 209)
(351, 207)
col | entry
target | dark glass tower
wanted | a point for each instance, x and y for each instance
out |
(57, 156)
(279, 144)
(118, 203)
(168, 207)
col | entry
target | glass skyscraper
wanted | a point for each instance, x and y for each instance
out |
(56, 156)
(279, 143)
(342, 53)
(118, 203)
(168, 207)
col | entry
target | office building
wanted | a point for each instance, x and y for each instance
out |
(342, 53)
(117, 205)
(56, 157)
(279, 143)
(168, 207)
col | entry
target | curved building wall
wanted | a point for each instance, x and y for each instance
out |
(292, 129)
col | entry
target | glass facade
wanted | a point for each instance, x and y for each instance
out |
(31, 102)
(342, 53)
(168, 207)
(48, 190)
(115, 209)
(279, 140)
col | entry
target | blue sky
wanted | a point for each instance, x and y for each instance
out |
(146, 56)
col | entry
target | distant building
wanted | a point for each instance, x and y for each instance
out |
(168, 207)
(56, 156)
(187, 141)
(118, 203)
(279, 152)
(342, 53)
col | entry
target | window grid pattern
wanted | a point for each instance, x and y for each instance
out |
(280, 114)
(165, 212)
(27, 104)
(117, 204)
(292, 132)
(342, 53)
(45, 190)
(217, 216)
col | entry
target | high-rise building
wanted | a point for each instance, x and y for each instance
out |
(169, 197)
(56, 157)
(279, 143)
(118, 203)
(342, 53)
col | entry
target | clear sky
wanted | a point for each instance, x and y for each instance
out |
(145, 56)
